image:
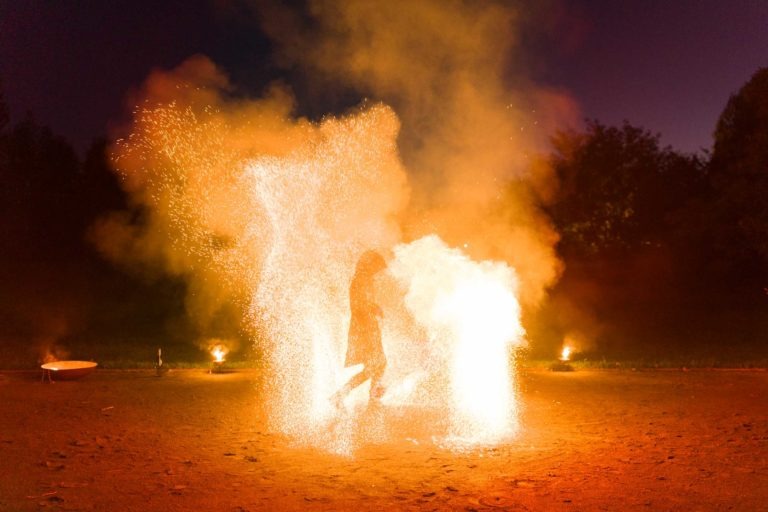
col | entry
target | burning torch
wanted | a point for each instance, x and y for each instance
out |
(218, 352)
(562, 364)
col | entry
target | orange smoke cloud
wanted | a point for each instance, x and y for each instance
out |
(470, 133)
(268, 212)
(258, 209)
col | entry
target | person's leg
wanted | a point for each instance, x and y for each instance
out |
(377, 373)
(357, 379)
(351, 384)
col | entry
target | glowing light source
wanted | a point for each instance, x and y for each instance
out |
(565, 354)
(218, 352)
(472, 317)
(272, 214)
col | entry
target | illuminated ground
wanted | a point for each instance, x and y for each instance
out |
(591, 440)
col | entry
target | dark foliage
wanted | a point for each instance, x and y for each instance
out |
(55, 290)
(665, 252)
(739, 171)
(4, 117)
(619, 189)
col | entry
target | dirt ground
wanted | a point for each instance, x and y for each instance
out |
(590, 440)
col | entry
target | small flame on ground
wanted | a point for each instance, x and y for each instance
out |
(219, 352)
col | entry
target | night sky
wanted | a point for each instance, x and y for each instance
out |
(667, 66)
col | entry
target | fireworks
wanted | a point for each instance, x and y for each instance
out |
(471, 318)
(270, 213)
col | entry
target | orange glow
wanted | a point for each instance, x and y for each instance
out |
(265, 215)
(219, 352)
(480, 369)
(565, 354)
(471, 314)
(279, 219)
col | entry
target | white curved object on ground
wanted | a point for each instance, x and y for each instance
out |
(68, 370)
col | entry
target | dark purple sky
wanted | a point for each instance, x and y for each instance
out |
(668, 66)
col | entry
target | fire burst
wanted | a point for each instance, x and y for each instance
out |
(471, 318)
(218, 352)
(273, 213)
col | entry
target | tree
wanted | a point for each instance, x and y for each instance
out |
(618, 188)
(39, 195)
(739, 172)
(4, 119)
(98, 186)
(4, 115)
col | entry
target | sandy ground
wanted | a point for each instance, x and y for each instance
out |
(590, 440)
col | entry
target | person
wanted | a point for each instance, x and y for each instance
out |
(364, 338)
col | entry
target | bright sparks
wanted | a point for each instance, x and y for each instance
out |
(472, 318)
(270, 214)
(479, 311)
(219, 352)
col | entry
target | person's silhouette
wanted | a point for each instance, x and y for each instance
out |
(364, 340)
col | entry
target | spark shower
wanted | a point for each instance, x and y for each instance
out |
(256, 207)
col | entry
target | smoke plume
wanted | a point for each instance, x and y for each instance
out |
(264, 213)
(471, 132)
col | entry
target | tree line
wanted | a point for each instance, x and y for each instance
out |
(55, 289)
(663, 251)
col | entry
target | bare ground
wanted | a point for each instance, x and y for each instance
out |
(590, 440)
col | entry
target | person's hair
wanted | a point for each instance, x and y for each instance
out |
(371, 262)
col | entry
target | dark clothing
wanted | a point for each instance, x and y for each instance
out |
(373, 371)
(364, 339)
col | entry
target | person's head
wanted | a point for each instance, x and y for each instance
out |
(371, 262)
